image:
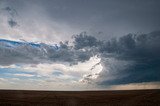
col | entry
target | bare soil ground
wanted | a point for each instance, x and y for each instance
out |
(80, 98)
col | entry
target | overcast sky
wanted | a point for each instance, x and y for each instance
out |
(53, 20)
(94, 63)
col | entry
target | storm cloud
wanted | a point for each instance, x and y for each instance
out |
(133, 58)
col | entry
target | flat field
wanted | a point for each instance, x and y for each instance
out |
(80, 98)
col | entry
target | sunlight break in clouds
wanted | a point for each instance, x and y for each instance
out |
(59, 74)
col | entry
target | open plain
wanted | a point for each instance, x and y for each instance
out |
(80, 98)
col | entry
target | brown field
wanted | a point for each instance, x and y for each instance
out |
(80, 98)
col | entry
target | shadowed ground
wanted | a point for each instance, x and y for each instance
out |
(80, 98)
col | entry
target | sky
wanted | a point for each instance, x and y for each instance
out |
(79, 44)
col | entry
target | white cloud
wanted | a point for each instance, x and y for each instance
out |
(2, 79)
(70, 79)
(47, 69)
(9, 66)
(24, 75)
(45, 76)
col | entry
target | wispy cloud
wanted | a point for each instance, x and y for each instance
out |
(12, 14)
(24, 75)
(12, 23)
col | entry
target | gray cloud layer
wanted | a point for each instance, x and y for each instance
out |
(106, 16)
(13, 52)
(130, 59)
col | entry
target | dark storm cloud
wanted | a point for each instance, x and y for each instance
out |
(133, 46)
(144, 51)
(132, 58)
(83, 40)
